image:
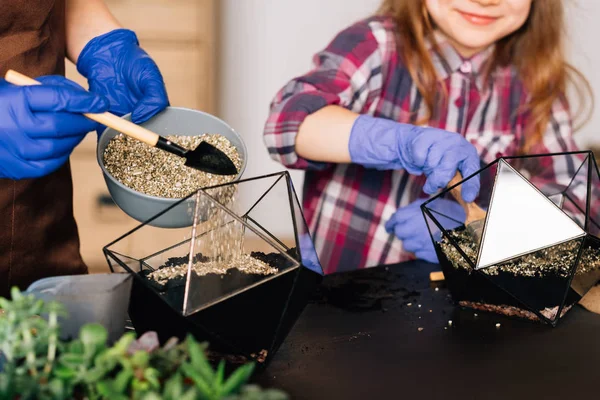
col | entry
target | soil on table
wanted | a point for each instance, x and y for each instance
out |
(364, 290)
(538, 281)
(235, 359)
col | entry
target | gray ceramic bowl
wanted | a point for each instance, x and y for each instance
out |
(173, 120)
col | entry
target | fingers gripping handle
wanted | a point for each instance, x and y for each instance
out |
(473, 211)
(107, 119)
(456, 191)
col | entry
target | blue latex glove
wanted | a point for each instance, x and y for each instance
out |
(117, 68)
(309, 256)
(408, 224)
(384, 144)
(41, 125)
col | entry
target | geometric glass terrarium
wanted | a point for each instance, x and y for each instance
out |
(537, 251)
(238, 276)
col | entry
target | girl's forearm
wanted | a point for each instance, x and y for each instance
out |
(86, 19)
(324, 135)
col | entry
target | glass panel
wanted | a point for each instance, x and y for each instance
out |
(561, 177)
(576, 195)
(248, 262)
(573, 209)
(119, 263)
(273, 213)
(304, 285)
(539, 280)
(521, 220)
(250, 320)
(446, 243)
(248, 193)
(587, 273)
(558, 199)
(147, 239)
(450, 216)
(455, 265)
(594, 212)
(308, 253)
(550, 174)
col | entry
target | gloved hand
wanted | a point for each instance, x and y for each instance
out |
(408, 224)
(309, 256)
(117, 68)
(384, 144)
(41, 125)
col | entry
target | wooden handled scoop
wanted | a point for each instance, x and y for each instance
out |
(205, 157)
(475, 215)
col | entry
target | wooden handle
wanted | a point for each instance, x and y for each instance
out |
(456, 192)
(107, 119)
(19, 79)
(472, 210)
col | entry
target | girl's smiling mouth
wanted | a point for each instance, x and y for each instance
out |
(477, 19)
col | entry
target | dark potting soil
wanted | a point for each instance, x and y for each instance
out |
(209, 287)
(540, 281)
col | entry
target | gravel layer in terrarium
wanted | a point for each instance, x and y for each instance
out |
(215, 277)
(540, 280)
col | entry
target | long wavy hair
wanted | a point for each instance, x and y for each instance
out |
(536, 50)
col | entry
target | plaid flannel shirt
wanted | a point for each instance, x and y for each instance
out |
(347, 205)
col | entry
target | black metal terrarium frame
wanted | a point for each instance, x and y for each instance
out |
(249, 320)
(484, 285)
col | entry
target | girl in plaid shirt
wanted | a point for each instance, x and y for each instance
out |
(397, 103)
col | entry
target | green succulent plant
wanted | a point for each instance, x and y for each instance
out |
(36, 364)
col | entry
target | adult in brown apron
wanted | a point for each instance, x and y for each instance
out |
(38, 234)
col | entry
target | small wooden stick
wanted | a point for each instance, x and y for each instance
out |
(436, 276)
(473, 211)
(106, 118)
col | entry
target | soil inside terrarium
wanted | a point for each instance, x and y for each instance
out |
(540, 280)
(210, 279)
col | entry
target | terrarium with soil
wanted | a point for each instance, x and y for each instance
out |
(239, 277)
(534, 251)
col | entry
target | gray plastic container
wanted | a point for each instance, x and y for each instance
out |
(94, 298)
(171, 121)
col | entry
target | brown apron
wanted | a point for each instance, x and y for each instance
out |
(38, 234)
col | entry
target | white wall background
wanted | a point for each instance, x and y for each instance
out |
(583, 32)
(264, 43)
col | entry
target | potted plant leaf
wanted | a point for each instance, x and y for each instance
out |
(39, 365)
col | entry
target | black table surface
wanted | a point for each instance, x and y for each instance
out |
(385, 333)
